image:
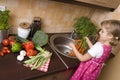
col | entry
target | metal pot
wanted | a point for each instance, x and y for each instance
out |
(3, 34)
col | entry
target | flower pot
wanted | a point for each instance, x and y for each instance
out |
(3, 34)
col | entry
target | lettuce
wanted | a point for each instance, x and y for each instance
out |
(40, 38)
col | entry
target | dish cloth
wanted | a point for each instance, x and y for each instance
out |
(43, 68)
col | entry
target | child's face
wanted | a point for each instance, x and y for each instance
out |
(104, 35)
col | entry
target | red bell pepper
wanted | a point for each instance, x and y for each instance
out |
(31, 52)
(28, 45)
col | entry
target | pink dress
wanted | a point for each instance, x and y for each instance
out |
(90, 70)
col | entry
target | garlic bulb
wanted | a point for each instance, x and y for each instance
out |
(23, 52)
(20, 57)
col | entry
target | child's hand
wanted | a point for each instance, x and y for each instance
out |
(88, 42)
(71, 44)
(86, 38)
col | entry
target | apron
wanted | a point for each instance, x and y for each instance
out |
(89, 70)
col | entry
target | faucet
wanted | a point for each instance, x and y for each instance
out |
(75, 35)
(72, 34)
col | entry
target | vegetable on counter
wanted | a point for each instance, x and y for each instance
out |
(31, 52)
(28, 45)
(5, 42)
(16, 47)
(22, 55)
(11, 42)
(29, 48)
(20, 39)
(8, 41)
(11, 38)
(5, 50)
(40, 38)
(23, 52)
(40, 59)
(6, 45)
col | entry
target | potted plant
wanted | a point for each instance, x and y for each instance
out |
(83, 26)
(4, 26)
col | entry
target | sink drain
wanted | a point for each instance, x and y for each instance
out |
(66, 53)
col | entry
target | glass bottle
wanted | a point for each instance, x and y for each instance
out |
(36, 25)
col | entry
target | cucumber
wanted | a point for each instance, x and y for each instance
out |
(20, 39)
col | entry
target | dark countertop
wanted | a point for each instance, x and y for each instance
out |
(11, 69)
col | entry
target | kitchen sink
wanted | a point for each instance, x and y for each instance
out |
(60, 42)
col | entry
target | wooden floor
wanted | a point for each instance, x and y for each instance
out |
(64, 75)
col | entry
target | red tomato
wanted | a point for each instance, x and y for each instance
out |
(11, 37)
(31, 52)
(1, 53)
(8, 51)
(12, 42)
(5, 50)
(5, 42)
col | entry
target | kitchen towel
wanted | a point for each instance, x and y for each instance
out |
(43, 68)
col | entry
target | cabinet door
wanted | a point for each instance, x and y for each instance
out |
(105, 3)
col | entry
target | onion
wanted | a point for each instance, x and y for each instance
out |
(20, 57)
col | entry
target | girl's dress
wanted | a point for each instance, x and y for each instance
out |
(89, 70)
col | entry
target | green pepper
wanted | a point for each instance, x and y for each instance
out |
(16, 47)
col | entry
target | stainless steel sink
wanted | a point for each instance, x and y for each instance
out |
(60, 42)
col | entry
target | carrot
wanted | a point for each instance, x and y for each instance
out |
(72, 53)
(82, 50)
(78, 44)
(77, 40)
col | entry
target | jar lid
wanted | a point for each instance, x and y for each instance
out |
(24, 25)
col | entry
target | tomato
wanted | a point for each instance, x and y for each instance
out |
(12, 42)
(1, 53)
(5, 48)
(5, 42)
(8, 51)
(11, 38)
(31, 52)
(4, 51)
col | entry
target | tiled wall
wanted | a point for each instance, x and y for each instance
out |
(55, 16)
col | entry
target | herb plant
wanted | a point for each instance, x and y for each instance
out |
(4, 15)
(84, 27)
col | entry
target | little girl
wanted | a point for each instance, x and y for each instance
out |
(92, 62)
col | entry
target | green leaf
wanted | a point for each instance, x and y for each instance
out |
(4, 16)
